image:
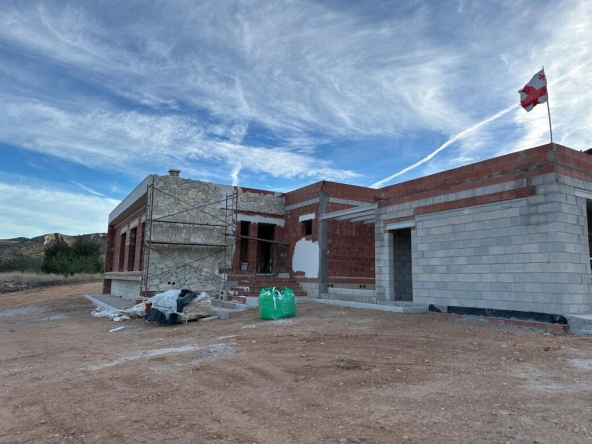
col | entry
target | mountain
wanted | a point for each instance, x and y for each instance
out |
(35, 247)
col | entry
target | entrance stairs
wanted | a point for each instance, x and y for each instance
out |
(250, 286)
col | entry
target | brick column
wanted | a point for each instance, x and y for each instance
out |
(323, 239)
(253, 244)
(110, 248)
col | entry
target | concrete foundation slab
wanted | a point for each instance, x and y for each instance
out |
(398, 308)
(109, 301)
(580, 324)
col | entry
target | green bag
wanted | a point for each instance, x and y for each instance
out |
(277, 303)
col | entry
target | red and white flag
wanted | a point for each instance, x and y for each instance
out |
(534, 92)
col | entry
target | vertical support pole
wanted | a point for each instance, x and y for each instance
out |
(549, 114)
(148, 239)
(323, 239)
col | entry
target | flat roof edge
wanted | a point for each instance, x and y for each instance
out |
(130, 199)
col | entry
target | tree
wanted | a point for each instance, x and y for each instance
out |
(66, 260)
(58, 260)
(22, 262)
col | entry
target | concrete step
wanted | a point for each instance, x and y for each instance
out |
(396, 307)
(255, 293)
(229, 305)
(362, 298)
(224, 304)
(269, 283)
(351, 291)
(236, 298)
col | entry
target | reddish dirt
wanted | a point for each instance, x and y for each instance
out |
(330, 375)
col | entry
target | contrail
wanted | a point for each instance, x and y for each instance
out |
(449, 142)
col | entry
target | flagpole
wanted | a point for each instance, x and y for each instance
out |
(549, 114)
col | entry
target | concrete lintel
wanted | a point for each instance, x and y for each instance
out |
(360, 217)
(583, 193)
(346, 201)
(301, 204)
(355, 211)
(399, 225)
(304, 217)
(260, 219)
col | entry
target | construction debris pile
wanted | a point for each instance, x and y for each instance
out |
(165, 308)
(179, 305)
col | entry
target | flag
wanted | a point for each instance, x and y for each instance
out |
(534, 92)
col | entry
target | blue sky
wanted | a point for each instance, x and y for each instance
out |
(96, 95)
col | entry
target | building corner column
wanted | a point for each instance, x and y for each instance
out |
(323, 239)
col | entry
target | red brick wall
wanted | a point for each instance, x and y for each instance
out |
(351, 192)
(117, 243)
(109, 256)
(293, 229)
(303, 194)
(351, 249)
(573, 163)
(351, 246)
(520, 165)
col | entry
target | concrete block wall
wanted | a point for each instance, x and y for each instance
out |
(526, 254)
(125, 289)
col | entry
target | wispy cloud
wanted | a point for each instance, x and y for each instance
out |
(239, 63)
(88, 189)
(234, 173)
(462, 135)
(34, 210)
(226, 89)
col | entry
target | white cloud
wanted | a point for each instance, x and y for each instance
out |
(178, 83)
(132, 142)
(35, 210)
(301, 70)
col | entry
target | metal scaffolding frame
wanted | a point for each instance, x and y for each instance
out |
(227, 224)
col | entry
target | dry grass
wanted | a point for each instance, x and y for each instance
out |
(34, 279)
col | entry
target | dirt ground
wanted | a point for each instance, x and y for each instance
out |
(330, 375)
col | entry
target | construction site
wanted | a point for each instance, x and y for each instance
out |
(452, 308)
(506, 237)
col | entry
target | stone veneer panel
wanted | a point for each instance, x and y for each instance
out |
(264, 203)
(175, 199)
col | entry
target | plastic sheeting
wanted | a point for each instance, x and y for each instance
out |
(166, 302)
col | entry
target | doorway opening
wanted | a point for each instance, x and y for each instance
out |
(264, 256)
(402, 273)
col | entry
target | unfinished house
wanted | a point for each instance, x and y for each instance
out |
(509, 234)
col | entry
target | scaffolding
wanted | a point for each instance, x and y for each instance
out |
(224, 225)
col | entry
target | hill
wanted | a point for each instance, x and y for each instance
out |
(35, 247)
